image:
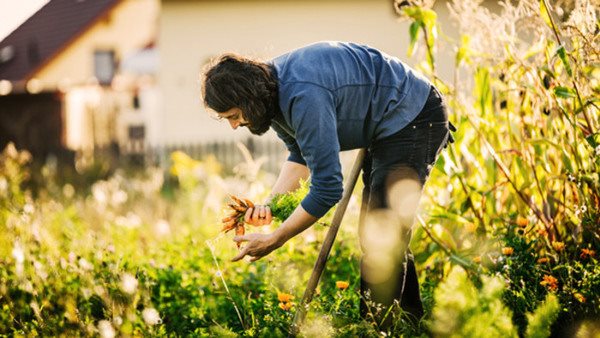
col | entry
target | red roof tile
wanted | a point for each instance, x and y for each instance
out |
(46, 33)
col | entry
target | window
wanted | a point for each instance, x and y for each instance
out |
(104, 66)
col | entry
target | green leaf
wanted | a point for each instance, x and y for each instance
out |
(462, 53)
(545, 13)
(567, 161)
(562, 54)
(429, 17)
(594, 140)
(540, 321)
(564, 92)
(414, 36)
(483, 92)
(414, 12)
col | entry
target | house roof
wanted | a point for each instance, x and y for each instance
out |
(46, 33)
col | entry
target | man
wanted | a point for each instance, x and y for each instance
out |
(325, 98)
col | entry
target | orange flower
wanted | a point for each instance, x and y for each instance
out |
(580, 298)
(542, 232)
(558, 246)
(477, 259)
(507, 251)
(522, 221)
(550, 282)
(284, 297)
(585, 253)
(286, 306)
(342, 285)
(470, 227)
(543, 260)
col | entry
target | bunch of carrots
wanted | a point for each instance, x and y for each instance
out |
(235, 220)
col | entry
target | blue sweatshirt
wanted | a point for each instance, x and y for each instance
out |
(339, 96)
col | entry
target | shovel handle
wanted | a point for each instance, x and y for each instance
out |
(327, 243)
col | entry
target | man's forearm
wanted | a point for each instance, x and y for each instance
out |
(299, 221)
(289, 178)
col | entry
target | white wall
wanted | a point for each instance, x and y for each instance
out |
(192, 32)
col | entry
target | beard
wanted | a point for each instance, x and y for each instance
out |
(259, 128)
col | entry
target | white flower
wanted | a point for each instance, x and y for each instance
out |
(118, 320)
(68, 190)
(151, 316)
(85, 265)
(28, 208)
(131, 221)
(3, 184)
(106, 329)
(162, 228)
(39, 270)
(99, 193)
(18, 253)
(119, 197)
(597, 151)
(129, 283)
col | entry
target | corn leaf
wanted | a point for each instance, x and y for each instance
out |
(545, 13)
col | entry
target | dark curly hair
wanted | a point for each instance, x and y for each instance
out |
(238, 82)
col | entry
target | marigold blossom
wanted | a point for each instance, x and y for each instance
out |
(580, 298)
(286, 306)
(342, 285)
(550, 282)
(543, 260)
(558, 246)
(507, 251)
(585, 253)
(284, 297)
(522, 221)
(477, 259)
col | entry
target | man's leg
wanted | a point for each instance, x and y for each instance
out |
(388, 274)
(398, 168)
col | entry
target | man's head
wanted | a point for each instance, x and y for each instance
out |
(241, 90)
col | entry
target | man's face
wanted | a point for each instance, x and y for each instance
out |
(235, 118)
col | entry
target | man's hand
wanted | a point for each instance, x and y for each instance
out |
(257, 246)
(259, 215)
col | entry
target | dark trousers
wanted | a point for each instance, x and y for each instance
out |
(394, 172)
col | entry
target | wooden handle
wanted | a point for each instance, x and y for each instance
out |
(327, 243)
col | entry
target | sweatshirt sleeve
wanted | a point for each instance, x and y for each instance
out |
(313, 118)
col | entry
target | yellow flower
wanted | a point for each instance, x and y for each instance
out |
(286, 306)
(284, 297)
(507, 251)
(558, 246)
(477, 259)
(522, 221)
(342, 285)
(543, 260)
(585, 253)
(580, 298)
(550, 282)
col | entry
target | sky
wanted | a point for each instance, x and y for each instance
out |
(15, 12)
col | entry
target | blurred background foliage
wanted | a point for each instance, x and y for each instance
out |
(506, 241)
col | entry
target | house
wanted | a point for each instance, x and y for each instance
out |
(60, 83)
(194, 31)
